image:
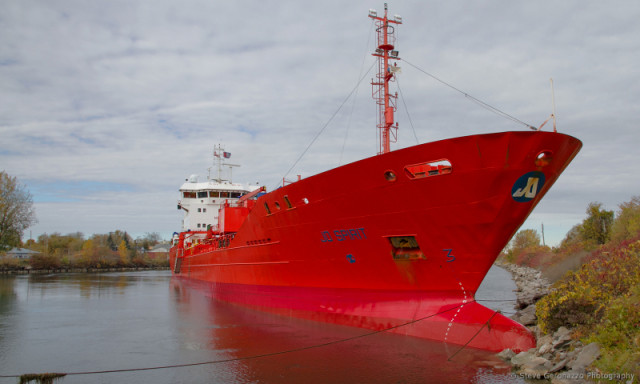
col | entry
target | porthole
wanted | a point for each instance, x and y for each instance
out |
(390, 176)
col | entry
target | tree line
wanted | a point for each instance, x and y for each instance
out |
(110, 250)
(600, 227)
(114, 249)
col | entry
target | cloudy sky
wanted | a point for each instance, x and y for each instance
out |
(106, 107)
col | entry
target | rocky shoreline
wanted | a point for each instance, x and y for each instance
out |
(557, 357)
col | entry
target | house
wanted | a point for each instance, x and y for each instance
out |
(159, 252)
(21, 253)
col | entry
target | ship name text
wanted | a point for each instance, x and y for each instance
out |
(343, 234)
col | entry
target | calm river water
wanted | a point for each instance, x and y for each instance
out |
(83, 323)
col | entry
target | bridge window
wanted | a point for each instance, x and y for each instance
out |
(202, 194)
(189, 195)
(214, 194)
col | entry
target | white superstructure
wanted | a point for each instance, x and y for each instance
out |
(202, 200)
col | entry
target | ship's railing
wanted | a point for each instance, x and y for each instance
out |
(202, 241)
(285, 182)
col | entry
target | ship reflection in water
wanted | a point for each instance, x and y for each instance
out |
(124, 327)
(251, 346)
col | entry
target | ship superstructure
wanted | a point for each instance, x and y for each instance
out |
(203, 202)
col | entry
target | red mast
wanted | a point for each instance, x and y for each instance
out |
(386, 73)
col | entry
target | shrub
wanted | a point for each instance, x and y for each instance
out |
(41, 261)
(9, 263)
(619, 334)
(524, 248)
(581, 298)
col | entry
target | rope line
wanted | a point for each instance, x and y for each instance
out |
(474, 99)
(261, 355)
(407, 110)
(474, 336)
(481, 103)
(329, 121)
(496, 301)
(355, 98)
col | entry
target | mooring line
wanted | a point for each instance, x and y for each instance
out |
(253, 356)
(496, 301)
(474, 336)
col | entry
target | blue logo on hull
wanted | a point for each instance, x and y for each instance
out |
(526, 188)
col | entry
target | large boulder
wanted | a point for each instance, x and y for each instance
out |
(585, 358)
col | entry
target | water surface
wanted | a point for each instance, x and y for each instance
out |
(82, 323)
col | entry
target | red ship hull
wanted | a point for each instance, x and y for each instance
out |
(398, 241)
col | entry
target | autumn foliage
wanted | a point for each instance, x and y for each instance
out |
(601, 299)
(581, 298)
(113, 250)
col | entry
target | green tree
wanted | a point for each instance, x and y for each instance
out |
(60, 245)
(572, 237)
(115, 238)
(523, 240)
(126, 239)
(597, 226)
(111, 242)
(526, 238)
(626, 225)
(16, 211)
